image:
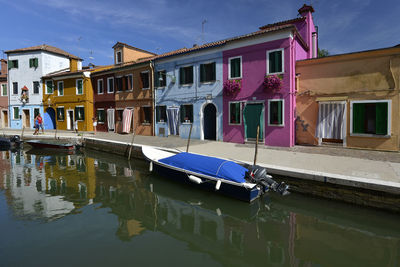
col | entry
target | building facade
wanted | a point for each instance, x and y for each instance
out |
(123, 93)
(68, 97)
(4, 118)
(350, 99)
(26, 66)
(189, 92)
(259, 80)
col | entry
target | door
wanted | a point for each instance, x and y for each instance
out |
(173, 120)
(331, 124)
(210, 122)
(49, 118)
(5, 119)
(70, 119)
(253, 117)
(26, 120)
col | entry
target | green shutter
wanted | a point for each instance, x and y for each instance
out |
(279, 103)
(158, 113)
(30, 62)
(358, 118)
(381, 118)
(16, 64)
(157, 79)
(202, 73)
(190, 75)
(235, 68)
(181, 76)
(10, 64)
(213, 74)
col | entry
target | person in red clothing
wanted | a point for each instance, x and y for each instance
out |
(40, 122)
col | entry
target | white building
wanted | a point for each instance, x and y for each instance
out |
(25, 68)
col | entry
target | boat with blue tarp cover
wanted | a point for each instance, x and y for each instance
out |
(236, 179)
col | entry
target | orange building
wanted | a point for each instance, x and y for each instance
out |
(130, 81)
(350, 99)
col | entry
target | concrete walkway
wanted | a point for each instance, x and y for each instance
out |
(358, 168)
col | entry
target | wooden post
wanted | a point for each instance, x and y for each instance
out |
(256, 150)
(55, 134)
(22, 134)
(130, 148)
(190, 133)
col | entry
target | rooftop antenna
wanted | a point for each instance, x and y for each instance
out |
(91, 54)
(79, 43)
(202, 30)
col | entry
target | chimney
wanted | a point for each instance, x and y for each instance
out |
(305, 9)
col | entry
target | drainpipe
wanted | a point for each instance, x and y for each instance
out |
(153, 94)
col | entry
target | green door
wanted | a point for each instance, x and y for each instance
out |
(253, 116)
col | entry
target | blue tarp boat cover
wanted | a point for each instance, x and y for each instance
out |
(210, 166)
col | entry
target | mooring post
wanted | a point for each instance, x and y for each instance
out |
(130, 148)
(256, 148)
(55, 135)
(22, 133)
(190, 133)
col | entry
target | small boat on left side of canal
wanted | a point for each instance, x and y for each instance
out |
(52, 144)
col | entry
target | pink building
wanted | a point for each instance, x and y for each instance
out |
(3, 94)
(263, 64)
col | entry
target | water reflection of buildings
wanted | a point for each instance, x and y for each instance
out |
(40, 186)
(286, 235)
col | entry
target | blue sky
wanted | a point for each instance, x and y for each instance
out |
(89, 29)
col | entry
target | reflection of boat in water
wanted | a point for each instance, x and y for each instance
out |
(50, 152)
(235, 179)
(7, 143)
(51, 144)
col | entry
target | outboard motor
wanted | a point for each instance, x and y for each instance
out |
(259, 176)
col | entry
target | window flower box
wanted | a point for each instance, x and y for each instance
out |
(232, 87)
(273, 82)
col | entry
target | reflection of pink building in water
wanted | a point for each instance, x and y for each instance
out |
(268, 53)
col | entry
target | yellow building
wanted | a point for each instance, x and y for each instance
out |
(351, 99)
(68, 98)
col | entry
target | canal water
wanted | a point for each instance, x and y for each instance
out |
(95, 209)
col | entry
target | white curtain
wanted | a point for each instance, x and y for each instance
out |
(173, 120)
(331, 120)
(111, 119)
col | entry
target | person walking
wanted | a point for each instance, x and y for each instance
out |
(76, 126)
(36, 126)
(40, 122)
(94, 125)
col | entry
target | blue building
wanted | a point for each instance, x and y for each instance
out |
(188, 92)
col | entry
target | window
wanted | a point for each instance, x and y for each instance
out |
(235, 68)
(15, 88)
(101, 115)
(119, 84)
(4, 89)
(370, 118)
(49, 87)
(60, 87)
(275, 61)
(186, 113)
(100, 89)
(16, 113)
(110, 84)
(207, 72)
(275, 111)
(186, 75)
(80, 113)
(235, 113)
(161, 113)
(161, 78)
(33, 62)
(146, 115)
(145, 77)
(129, 82)
(36, 112)
(60, 114)
(36, 86)
(13, 64)
(79, 87)
(119, 57)
(120, 113)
